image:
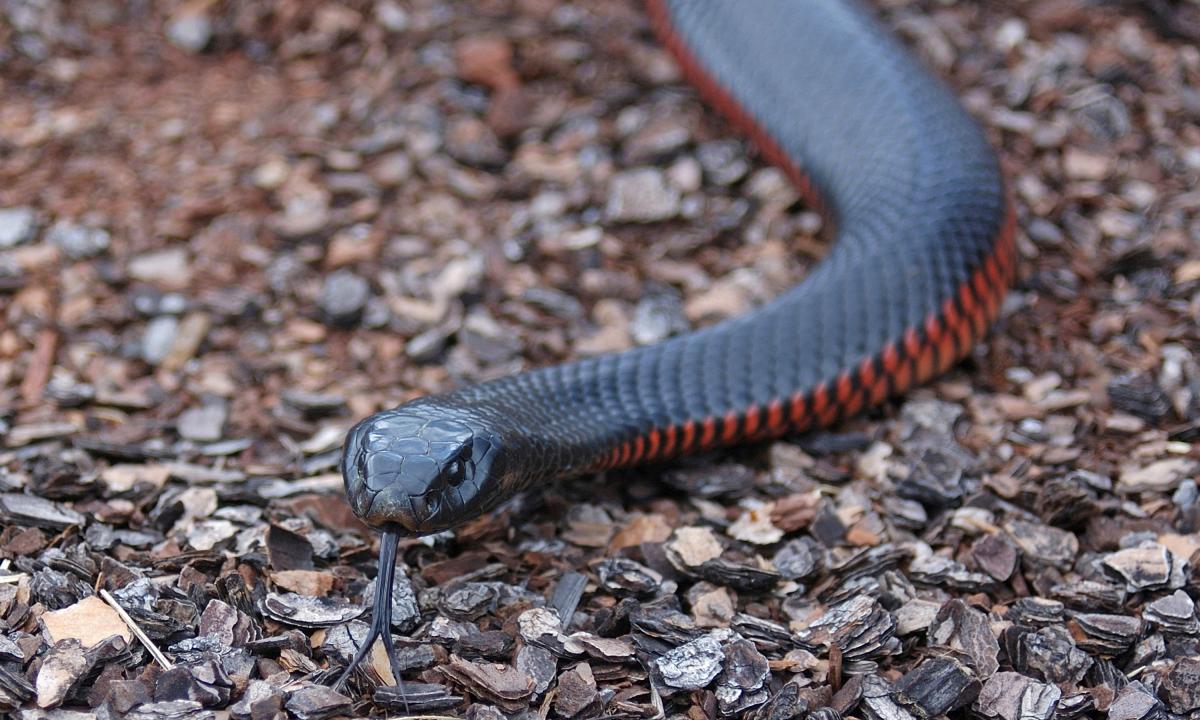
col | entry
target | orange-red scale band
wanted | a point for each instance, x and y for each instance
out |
(941, 341)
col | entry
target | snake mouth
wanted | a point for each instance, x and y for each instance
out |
(391, 507)
(410, 514)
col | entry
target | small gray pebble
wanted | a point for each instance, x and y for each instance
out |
(284, 272)
(641, 195)
(724, 161)
(555, 302)
(157, 340)
(1186, 495)
(1045, 232)
(17, 225)
(391, 15)
(190, 31)
(78, 241)
(203, 424)
(377, 313)
(344, 298)
(173, 304)
(151, 303)
(487, 340)
(657, 317)
(426, 346)
(392, 169)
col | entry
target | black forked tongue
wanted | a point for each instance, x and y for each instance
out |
(381, 615)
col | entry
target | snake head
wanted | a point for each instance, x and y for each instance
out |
(410, 470)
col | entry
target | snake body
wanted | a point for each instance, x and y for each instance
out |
(923, 254)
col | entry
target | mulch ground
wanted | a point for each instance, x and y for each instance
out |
(230, 229)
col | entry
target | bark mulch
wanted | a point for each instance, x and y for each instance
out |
(229, 229)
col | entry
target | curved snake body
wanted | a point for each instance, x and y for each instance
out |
(924, 252)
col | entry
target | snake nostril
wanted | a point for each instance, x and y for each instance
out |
(420, 508)
(455, 473)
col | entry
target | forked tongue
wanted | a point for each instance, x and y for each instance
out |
(381, 615)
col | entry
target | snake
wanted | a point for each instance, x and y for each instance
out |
(924, 250)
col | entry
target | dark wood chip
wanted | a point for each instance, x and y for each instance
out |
(936, 687)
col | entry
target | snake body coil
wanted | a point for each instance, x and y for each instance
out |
(923, 254)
